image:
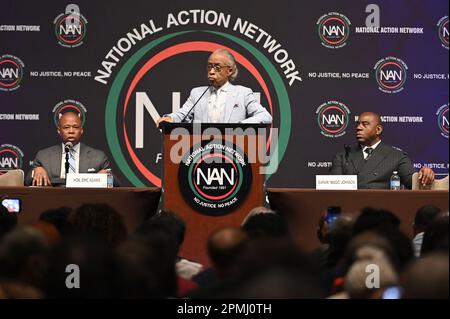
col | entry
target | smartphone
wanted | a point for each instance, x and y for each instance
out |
(393, 292)
(333, 213)
(13, 205)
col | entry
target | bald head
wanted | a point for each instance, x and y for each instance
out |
(70, 128)
(225, 245)
(420, 282)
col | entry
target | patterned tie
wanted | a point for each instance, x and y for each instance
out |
(369, 151)
(72, 165)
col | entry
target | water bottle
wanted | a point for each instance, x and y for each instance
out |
(395, 181)
(109, 180)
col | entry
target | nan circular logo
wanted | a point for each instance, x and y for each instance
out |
(391, 74)
(442, 117)
(11, 157)
(215, 178)
(11, 72)
(332, 118)
(70, 27)
(334, 30)
(443, 31)
(69, 106)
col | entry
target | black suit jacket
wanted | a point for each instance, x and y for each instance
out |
(377, 170)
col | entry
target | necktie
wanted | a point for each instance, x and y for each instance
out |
(368, 151)
(215, 109)
(72, 165)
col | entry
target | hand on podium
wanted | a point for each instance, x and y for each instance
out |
(168, 119)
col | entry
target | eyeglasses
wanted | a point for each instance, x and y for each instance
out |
(217, 67)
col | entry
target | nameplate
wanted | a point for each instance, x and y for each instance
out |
(337, 182)
(86, 180)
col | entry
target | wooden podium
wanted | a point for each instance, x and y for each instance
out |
(211, 177)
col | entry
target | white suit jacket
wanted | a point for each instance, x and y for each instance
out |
(241, 107)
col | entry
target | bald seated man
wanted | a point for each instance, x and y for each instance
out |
(374, 161)
(221, 101)
(49, 164)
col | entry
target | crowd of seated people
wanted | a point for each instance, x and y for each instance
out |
(362, 255)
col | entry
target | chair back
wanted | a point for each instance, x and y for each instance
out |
(12, 177)
(438, 184)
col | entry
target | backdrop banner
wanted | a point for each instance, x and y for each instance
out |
(313, 65)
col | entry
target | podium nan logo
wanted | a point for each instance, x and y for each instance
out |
(215, 178)
(11, 72)
(70, 27)
(391, 74)
(11, 157)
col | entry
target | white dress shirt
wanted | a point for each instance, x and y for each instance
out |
(216, 104)
(374, 146)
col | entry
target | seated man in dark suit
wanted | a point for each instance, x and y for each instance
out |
(49, 163)
(373, 161)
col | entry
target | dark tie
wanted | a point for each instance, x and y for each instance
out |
(369, 151)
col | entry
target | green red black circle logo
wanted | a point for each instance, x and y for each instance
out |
(69, 106)
(11, 72)
(391, 74)
(442, 117)
(70, 29)
(11, 157)
(443, 31)
(334, 30)
(332, 118)
(215, 178)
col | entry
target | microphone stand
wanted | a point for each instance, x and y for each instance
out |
(67, 148)
(67, 161)
(198, 100)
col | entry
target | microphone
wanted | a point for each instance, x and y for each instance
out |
(198, 100)
(67, 147)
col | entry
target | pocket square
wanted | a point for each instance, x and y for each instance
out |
(90, 170)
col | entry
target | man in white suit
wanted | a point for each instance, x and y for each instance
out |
(221, 102)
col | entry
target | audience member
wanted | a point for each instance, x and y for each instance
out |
(100, 220)
(427, 278)
(424, 217)
(8, 221)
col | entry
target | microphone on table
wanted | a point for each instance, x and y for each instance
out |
(67, 148)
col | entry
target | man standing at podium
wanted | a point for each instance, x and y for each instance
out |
(49, 163)
(221, 101)
(373, 161)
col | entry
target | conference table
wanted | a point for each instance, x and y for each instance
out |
(302, 208)
(135, 204)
